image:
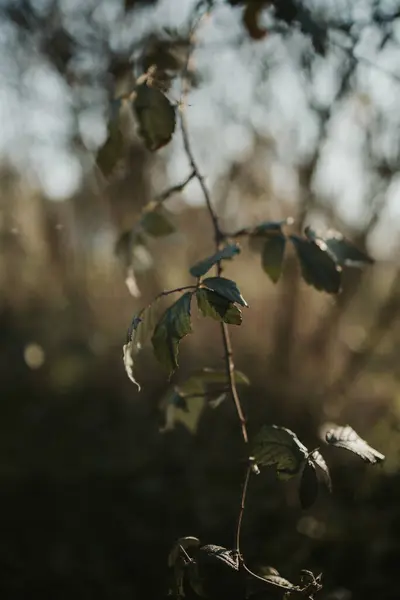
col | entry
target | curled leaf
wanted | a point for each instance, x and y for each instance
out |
(128, 363)
(321, 468)
(347, 438)
(225, 288)
(217, 307)
(279, 447)
(173, 326)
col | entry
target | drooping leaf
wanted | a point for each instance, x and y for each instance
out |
(272, 255)
(347, 438)
(174, 325)
(139, 330)
(201, 268)
(128, 362)
(317, 265)
(344, 251)
(215, 306)
(321, 468)
(226, 288)
(156, 223)
(156, 116)
(308, 491)
(279, 447)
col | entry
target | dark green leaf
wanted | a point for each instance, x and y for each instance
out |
(272, 256)
(174, 325)
(156, 116)
(156, 223)
(317, 266)
(201, 268)
(215, 306)
(346, 437)
(344, 251)
(322, 468)
(280, 447)
(270, 227)
(226, 288)
(308, 486)
(216, 573)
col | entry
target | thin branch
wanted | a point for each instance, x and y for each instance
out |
(179, 289)
(218, 239)
(241, 511)
(179, 187)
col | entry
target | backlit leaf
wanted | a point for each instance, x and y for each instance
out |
(215, 306)
(201, 268)
(226, 288)
(317, 265)
(128, 363)
(174, 325)
(156, 223)
(308, 491)
(321, 468)
(156, 116)
(139, 330)
(347, 438)
(279, 447)
(344, 251)
(272, 255)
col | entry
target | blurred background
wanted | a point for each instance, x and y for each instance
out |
(293, 110)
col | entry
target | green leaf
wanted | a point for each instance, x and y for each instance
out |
(344, 252)
(201, 268)
(209, 375)
(215, 306)
(226, 288)
(156, 116)
(174, 325)
(272, 255)
(317, 266)
(139, 330)
(156, 223)
(347, 438)
(308, 491)
(280, 447)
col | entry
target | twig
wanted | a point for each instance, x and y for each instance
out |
(169, 192)
(241, 511)
(179, 289)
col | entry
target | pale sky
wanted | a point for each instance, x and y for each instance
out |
(247, 87)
